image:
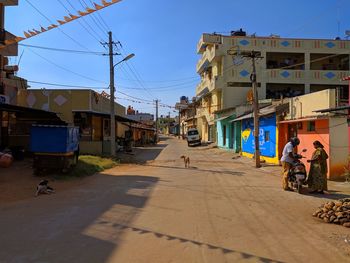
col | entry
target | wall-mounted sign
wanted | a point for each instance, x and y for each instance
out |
(267, 136)
(4, 99)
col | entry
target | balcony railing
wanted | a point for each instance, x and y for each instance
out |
(327, 76)
(283, 75)
(208, 56)
(215, 83)
(207, 39)
(302, 76)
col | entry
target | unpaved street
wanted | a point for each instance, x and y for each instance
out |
(219, 210)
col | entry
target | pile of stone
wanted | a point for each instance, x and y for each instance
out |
(337, 212)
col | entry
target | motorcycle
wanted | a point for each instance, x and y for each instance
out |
(297, 173)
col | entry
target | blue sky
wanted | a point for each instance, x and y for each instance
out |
(162, 34)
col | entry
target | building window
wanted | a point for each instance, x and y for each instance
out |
(300, 125)
(267, 136)
(311, 126)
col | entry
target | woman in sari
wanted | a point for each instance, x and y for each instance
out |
(317, 179)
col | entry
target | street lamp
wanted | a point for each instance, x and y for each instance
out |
(125, 59)
(112, 90)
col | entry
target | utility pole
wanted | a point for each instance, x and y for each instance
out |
(112, 90)
(253, 55)
(179, 124)
(157, 121)
(256, 113)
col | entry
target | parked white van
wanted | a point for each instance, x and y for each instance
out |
(193, 137)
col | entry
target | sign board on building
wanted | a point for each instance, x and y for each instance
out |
(180, 106)
(4, 99)
(267, 136)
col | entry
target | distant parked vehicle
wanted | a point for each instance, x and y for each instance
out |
(193, 137)
(54, 147)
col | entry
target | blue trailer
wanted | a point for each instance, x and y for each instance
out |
(54, 147)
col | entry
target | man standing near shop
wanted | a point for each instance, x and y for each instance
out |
(287, 160)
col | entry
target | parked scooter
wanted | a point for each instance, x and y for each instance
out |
(297, 173)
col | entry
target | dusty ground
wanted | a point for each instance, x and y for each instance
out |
(18, 182)
(219, 210)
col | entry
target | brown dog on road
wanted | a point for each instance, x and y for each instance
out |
(186, 161)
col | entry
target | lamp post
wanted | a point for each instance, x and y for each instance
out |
(112, 90)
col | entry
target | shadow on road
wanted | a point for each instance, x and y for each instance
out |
(334, 195)
(168, 237)
(66, 224)
(196, 169)
(141, 155)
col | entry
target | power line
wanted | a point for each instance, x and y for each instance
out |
(65, 69)
(66, 85)
(135, 73)
(164, 88)
(101, 18)
(84, 87)
(64, 50)
(86, 22)
(92, 16)
(133, 96)
(61, 30)
(86, 29)
(164, 81)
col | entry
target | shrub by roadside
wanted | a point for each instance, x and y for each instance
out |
(89, 165)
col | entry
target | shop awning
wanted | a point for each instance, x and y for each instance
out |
(262, 112)
(341, 108)
(243, 117)
(143, 128)
(32, 114)
(117, 117)
(224, 117)
(305, 119)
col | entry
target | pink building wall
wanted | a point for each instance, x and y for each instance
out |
(307, 138)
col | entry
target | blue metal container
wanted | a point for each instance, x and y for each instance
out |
(54, 139)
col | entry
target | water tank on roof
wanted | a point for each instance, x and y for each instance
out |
(240, 32)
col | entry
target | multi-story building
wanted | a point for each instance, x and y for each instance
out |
(14, 119)
(9, 83)
(288, 67)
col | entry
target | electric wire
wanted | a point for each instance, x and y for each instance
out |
(65, 69)
(164, 81)
(64, 50)
(67, 85)
(61, 30)
(101, 18)
(85, 87)
(86, 29)
(86, 22)
(92, 17)
(135, 73)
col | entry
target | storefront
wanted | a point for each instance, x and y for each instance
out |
(16, 122)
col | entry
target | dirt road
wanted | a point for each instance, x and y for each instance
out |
(219, 210)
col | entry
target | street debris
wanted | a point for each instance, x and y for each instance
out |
(337, 212)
